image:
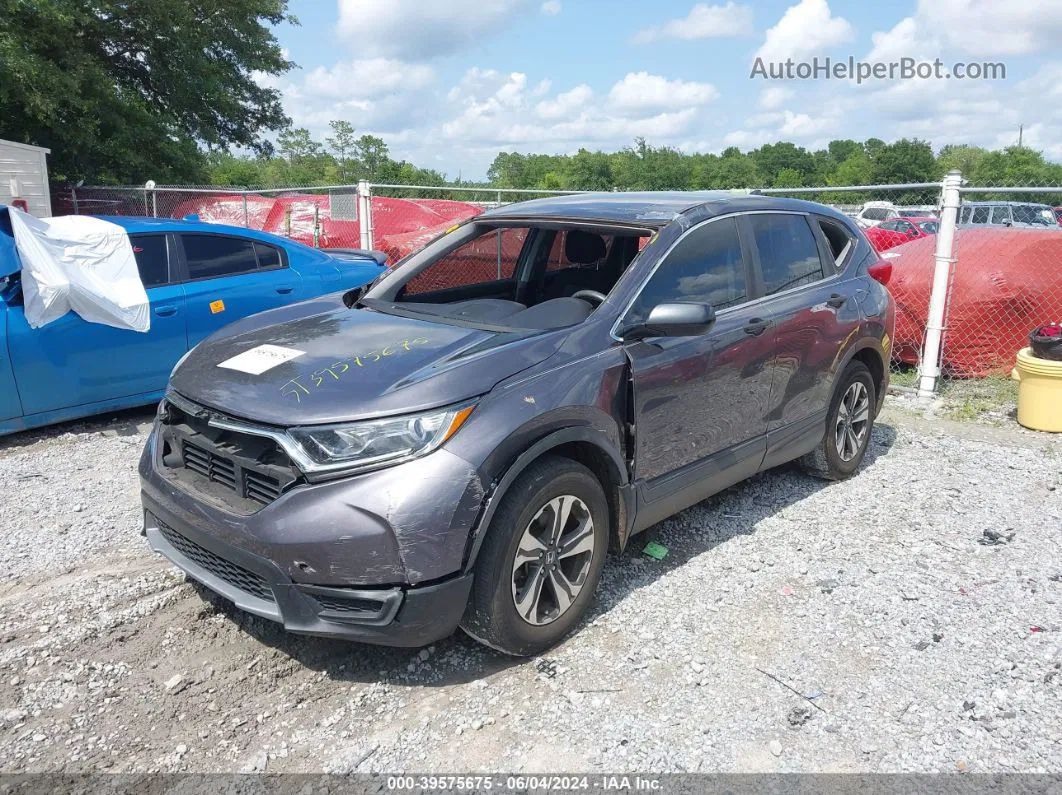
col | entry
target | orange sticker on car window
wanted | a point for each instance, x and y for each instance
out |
(217, 306)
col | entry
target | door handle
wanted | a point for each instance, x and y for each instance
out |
(836, 300)
(756, 326)
(165, 311)
(284, 290)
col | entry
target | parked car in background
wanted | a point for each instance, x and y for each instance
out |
(876, 212)
(198, 278)
(1022, 214)
(460, 446)
(1058, 215)
(892, 233)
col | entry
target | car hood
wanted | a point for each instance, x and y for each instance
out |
(351, 364)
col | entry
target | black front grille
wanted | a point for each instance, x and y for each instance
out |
(236, 576)
(261, 488)
(239, 471)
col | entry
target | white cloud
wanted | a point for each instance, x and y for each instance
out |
(774, 97)
(416, 30)
(551, 8)
(372, 77)
(640, 91)
(703, 22)
(567, 104)
(982, 28)
(806, 29)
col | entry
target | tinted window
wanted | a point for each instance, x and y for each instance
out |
(980, 215)
(705, 267)
(210, 256)
(151, 259)
(268, 256)
(876, 213)
(789, 256)
(966, 215)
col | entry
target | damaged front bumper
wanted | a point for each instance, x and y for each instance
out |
(375, 558)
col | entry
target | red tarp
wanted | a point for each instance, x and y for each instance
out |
(400, 226)
(1006, 282)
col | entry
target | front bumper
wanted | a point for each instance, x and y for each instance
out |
(390, 616)
(375, 558)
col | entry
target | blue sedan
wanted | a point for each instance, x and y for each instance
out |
(198, 277)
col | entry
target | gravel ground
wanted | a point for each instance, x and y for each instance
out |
(909, 619)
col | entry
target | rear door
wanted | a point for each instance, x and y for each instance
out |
(811, 310)
(227, 277)
(71, 362)
(699, 402)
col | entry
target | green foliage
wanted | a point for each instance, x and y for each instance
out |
(123, 90)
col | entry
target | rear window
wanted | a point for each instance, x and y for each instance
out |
(876, 213)
(268, 256)
(151, 259)
(211, 256)
(789, 255)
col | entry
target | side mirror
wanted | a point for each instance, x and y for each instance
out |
(673, 320)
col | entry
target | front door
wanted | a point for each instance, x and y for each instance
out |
(71, 362)
(700, 402)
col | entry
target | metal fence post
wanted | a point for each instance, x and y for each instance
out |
(246, 220)
(929, 367)
(73, 198)
(365, 214)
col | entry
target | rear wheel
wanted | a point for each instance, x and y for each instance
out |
(848, 426)
(541, 560)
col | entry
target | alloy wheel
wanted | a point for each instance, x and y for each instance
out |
(553, 560)
(853, 421)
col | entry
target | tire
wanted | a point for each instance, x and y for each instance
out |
(828, 461)
(527, 514)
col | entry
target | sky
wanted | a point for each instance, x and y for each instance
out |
(450, 84)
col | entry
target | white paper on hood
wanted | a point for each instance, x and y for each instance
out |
(264, 357)
(79, 263)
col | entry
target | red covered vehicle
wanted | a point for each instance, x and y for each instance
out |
(1006, 281)
(889, 234)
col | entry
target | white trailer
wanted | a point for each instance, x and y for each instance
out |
(24, 175)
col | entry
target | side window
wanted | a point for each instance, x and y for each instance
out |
(904, 227)
(487, 258)
(705, 267)
(151, 259)
(840, 240)
(789, 256)
(1001, 215)
(268, 256)
(966, 215)
(980, 215)
(211, 256)
(888, 226)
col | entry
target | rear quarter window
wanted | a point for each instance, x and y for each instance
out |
(152, 260)
(213, 256)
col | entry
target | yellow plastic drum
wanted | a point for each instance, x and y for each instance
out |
(1039, 392)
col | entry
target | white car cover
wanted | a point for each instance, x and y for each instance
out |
(79, 263)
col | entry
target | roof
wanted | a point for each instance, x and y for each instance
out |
(133, 224)
(1004, 204)
(647, 208)
(17, 145)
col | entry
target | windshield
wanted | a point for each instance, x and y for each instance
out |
(501, 277)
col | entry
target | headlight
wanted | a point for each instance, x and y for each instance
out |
(359, 446)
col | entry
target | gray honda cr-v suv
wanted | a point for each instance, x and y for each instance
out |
(460, 443)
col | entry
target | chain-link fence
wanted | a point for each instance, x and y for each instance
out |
(975, 268)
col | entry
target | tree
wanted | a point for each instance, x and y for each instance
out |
(963, 157)
(344, 148)
(127, 90)
(904, 161)
(372, 154)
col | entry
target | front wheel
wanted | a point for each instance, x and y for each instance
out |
(848, 426)
(541, 559)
